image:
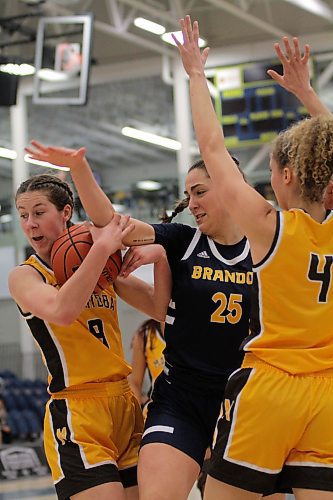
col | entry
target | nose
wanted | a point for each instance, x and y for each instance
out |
(192, 204)
(31, 223)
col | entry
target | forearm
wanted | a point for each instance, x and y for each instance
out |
(209, 133)
(94, 201)
(73, 296)
(162, 287)
(310, 99)
(207, 128)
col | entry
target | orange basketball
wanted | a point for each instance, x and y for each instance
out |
(70, 249)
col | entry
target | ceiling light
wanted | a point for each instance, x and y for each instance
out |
(10, 154)
(167, 37)
(17, 69)
(147, 25)
(52, 76)
(317, 7)
(165, 142)
(44, 164)
(149, 185)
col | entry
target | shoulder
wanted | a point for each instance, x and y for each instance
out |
(21, 278)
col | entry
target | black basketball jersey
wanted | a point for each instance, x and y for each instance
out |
(208, 315)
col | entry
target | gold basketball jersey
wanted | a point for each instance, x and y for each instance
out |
(154, 352)
(88, 350)
(294, 304)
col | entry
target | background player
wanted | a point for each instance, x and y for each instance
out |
(147, 355)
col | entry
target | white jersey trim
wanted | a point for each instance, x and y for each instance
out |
(214, 250)
(192, 245)
(233, 261)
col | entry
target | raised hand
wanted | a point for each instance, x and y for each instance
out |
(138, 256)
(62, 157)
(296, 74)
(193, 59)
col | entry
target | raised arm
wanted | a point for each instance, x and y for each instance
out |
(95, 202)
(296, 76)
(250, 211)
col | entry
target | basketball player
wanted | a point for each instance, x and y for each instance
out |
(275, 428)
(147, 354)
(93, 424)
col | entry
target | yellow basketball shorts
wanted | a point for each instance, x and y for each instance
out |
(92, 435)
(275, 430)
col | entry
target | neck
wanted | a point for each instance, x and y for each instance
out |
(228, 233)
(315, 209)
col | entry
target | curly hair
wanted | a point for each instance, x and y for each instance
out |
(182, 204)
(307, 147)
(57, 191)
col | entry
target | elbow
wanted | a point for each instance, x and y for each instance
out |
(65, 318)
(160, 315)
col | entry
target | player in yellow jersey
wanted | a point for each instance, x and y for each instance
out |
(147, 354)
(93, 423)
(275, 431)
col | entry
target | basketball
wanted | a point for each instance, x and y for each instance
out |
(70, 249)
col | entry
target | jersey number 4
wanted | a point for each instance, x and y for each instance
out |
(231, 306)
(324, 276)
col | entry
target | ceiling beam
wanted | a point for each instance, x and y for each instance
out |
(136, 40)
(247, 17)
(156, 13)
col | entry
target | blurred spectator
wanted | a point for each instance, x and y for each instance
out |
(6, 433)
(148, 345)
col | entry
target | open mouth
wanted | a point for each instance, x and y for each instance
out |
(37, 238)
(199, 217)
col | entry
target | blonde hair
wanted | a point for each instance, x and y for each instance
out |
(307, 147)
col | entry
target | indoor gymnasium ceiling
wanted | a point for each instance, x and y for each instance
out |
(127, 86)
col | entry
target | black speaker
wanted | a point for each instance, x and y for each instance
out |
(8, 89)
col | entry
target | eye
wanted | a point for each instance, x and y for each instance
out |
(39, 213)
(23, 216)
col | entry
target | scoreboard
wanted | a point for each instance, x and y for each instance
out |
(251, 106)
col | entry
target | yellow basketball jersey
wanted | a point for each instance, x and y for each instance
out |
(295, 296)
(154, 346)
(88, 350)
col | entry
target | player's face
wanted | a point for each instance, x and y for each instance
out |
(278, 184)
(41, 221)
(204, 203)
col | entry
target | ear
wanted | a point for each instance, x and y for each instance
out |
(67, 212)
(287, 175)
